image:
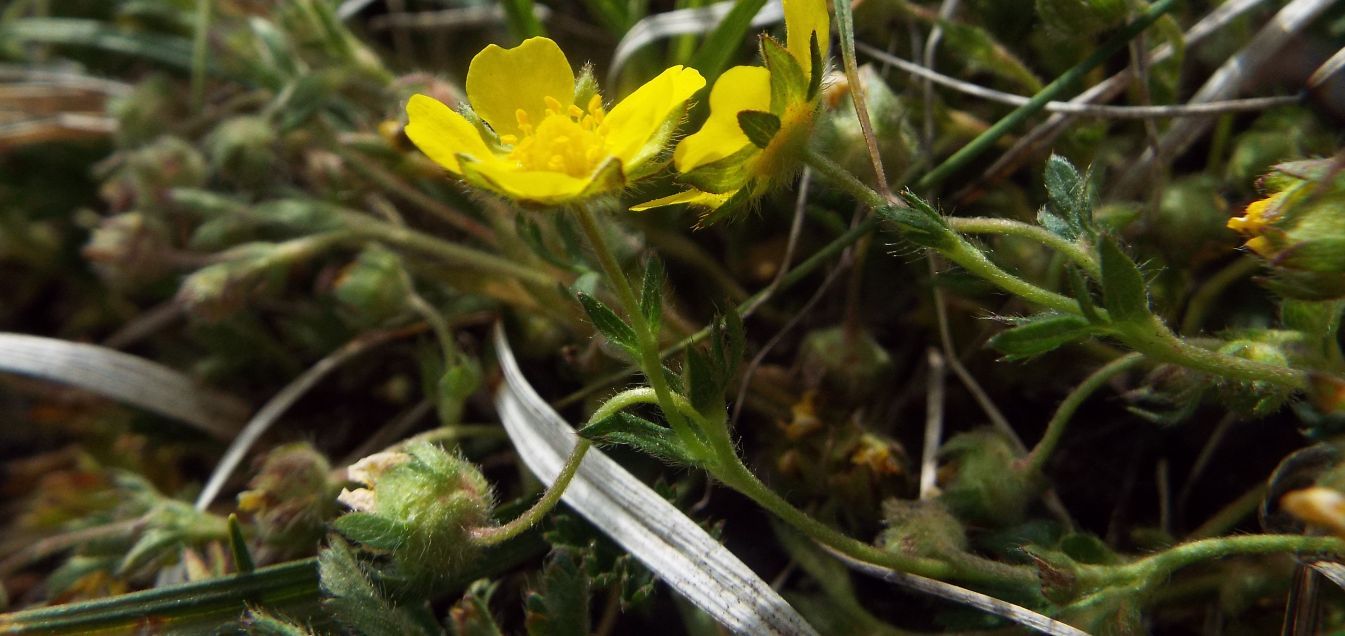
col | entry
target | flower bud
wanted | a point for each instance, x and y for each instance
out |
(921, 528)
(1257, 399)
(839, 135)
(128, 248)
(850, 363)
(986, 485)
(290, 499)
(166, 163)
(420, 505)
(374, 286)
(1299, 228)
(242, 150)
(1190, 225)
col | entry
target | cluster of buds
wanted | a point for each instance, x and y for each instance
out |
(1299, 228)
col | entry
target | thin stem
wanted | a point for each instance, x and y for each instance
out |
(841, 177)
(1210, 290)
(1156, 568)
(443, 250)
(1158, 342)
(975, 261)
(1006, 227)
(1067, 79)
(199, 50)
(500, 534)
(650, 360)
(1055, 429)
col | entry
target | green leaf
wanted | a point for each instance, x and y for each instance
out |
(239, 546)
(523, 23)
(1123, 287)
(733, 341)
(759, 127)
(641, 434)
(724, 175)
(610, 325)
(168, 50)
(704, 381)
(715, 53)
(1040, 334)
(651, 294)
(354, 600)
(561, 607)
(1067, 193)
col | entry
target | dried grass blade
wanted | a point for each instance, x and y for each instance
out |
(682, 22)
(963, 596)
(124, 378)
(654, 531)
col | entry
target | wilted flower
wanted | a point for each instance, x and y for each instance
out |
(1299, 227)
(537, 145)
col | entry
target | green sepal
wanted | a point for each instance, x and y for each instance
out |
(1325, 255)
(759, 127)
(1123, 287)
(817, 66)
(727, 210)
(651, 294)
(729, 174)
(1035, 335)
(639, 433)
(371, 530)
(609, 177)
(704, 382)
(585, 86)
(610, 325)
(788, 85)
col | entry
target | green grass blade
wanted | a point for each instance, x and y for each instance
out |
(723, 43)
(1053, 90)
(171, 51)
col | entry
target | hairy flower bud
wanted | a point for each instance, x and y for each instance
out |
(419, 505)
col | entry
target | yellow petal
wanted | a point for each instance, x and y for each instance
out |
(633, 123)
(548, 188)
(739, 88)
(803, 18)
(690, 197)
(501, 82)
(441, 133)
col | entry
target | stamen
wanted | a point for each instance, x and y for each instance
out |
(575, 112)
(509, 139)
(595, 104)
(553, 105)
(523, 124)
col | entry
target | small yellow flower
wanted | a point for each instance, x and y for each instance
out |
(720, 161)
(537, 145)
(1257, 220)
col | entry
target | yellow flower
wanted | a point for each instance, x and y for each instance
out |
(722, 160)
(1257, 220)
(537, 145)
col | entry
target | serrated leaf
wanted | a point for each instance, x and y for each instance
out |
(1122, 284)
(561, 608)
(609, 324)
(1042, 333)
(371, 530)
(651, 294)
(759, 127)
(640, 434)
(1055, 224)
(471, 615)
(354, 600)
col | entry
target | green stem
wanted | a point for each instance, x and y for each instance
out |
(1055, 429)
(1210, 290)
(842, 178)
(650, 360)
(500, 534)
(1067, 80)
(444, 250)
(1006, 227)
(975, 261)
(1158, 342)
(1155, 569)
(199, 50)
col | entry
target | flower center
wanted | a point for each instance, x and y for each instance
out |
(567, 140)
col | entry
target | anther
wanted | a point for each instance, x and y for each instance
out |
(575, 112)
(553, 105)
(509, 139)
